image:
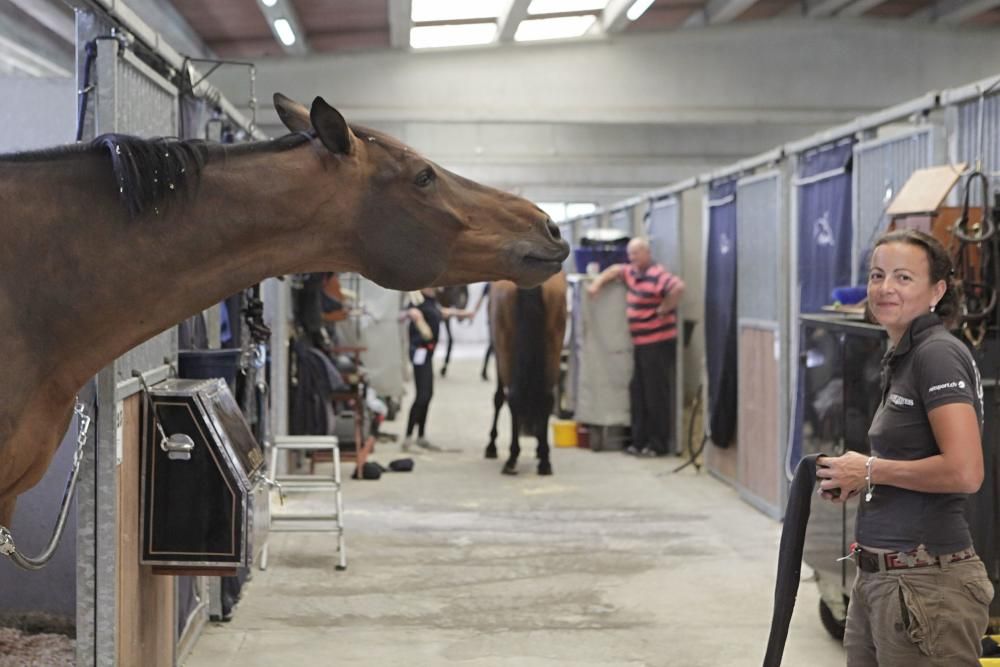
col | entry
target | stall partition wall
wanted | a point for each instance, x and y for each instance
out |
(621, 220)
(881, 167)
(761, 262)
(379, 330)
(663, 229)
(975, 138)
(567, 229)
(586, 224)
(823, 247)
(116, 620)
(44, 116)
(720, 328)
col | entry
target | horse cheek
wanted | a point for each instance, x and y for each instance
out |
(405, 254)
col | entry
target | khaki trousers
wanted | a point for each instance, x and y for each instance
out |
(921, 617)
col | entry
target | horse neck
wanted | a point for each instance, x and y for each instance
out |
(107, 283)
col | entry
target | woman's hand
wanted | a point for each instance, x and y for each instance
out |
(846, 473)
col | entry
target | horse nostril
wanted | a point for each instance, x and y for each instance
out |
(553, 229)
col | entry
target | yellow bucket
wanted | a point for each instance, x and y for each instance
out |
(563, 433)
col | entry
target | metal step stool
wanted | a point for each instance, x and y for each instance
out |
(298, 522)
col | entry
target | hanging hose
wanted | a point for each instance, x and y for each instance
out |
(694, 455)
(88, 66)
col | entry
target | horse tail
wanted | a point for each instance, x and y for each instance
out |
(529, 397)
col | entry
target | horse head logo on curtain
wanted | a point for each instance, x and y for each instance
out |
(822, 231)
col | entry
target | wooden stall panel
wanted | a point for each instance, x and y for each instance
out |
(145, 602)
(758, 468)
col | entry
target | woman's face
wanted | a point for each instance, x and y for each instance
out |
(899, 286)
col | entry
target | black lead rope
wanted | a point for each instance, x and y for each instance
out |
(793, 537)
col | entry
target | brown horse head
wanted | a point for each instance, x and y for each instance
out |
(426, 226)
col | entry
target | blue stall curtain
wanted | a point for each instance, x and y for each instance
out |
(825, 241)
(720, 312)
(825, 235)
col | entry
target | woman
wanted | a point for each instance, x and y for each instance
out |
(921, 596)
(425, 317)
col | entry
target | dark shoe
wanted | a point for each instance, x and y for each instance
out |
(649, 453)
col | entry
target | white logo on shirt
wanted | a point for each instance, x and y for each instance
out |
(896, 399)
(960, 384)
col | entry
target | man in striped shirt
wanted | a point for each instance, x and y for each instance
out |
(653, 297)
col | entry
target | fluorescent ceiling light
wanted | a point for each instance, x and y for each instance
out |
(269, 3)
(285, 32)
(422, 11)
(557, 28)
(462, 34)
(565, 6)
(637, 9)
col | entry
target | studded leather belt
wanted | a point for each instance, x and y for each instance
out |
(872, 561)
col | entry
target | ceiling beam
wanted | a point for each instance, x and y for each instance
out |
(399, 23)
(859, 8)
(283, 9)
(517, 11)
(613, 18)
(960, 11)
(719, 11)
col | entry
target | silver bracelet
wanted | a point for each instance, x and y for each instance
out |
(868, 479)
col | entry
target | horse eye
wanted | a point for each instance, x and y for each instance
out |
(425, 177)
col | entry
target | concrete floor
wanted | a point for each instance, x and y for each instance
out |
(612, 561)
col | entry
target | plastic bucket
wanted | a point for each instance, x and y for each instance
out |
(206, 364)
(564, 433)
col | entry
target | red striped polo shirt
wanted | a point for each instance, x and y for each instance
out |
(646, 290)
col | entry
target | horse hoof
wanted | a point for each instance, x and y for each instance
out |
(491, 452)
(544, 468)
(510, 469)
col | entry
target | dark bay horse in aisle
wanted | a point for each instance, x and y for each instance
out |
(528, 327)
(105, 244)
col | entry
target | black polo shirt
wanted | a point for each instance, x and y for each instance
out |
(928, 368)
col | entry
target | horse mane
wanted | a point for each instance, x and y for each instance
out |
(151, 171)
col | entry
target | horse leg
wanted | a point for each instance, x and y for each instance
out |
(447, 353)
(486, 361)
(498, 401)
(542, 451)
(510, 467)
(7, 510)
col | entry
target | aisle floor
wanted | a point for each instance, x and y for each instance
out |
(611, 561)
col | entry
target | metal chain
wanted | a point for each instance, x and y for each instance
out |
(7, 546)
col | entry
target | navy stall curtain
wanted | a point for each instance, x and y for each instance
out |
(825, 236)
(720, 312)
(825, 241)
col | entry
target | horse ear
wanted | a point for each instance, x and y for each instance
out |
(331, 128)
(294, 115)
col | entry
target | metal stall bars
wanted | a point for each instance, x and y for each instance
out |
(762, 260)
(123, 95)
(621, 219)
(128, 97)
(973, 118)
(663, 229)
(881, 167)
